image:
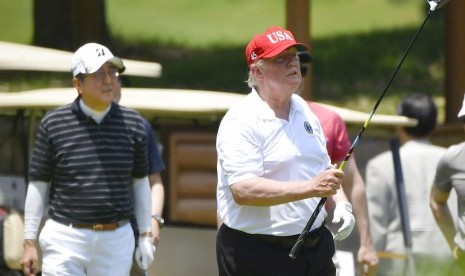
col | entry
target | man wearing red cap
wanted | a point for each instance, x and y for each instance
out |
(273, 169)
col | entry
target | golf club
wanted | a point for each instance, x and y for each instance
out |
(409, 269)
(434, 5)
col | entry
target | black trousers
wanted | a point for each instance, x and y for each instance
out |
(242, 254)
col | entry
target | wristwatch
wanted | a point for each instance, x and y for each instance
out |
(159, 220)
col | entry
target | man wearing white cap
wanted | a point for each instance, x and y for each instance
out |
(450, 174)
(273, 169)
(88, 157)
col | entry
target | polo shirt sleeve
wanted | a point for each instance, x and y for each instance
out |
(41, 166)
(140, 168)
(340, 139)
(156, 164)
(443, 177)
(239, 149)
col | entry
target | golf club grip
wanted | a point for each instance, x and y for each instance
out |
(300, 241)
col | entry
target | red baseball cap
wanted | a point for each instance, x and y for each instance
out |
(270, 44)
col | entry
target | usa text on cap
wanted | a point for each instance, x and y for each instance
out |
(270, 44)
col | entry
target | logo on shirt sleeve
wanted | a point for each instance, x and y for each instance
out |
(308, 127)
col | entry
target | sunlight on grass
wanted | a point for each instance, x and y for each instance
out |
(335, 17)
(204, 23)
(195, 23)
(16, 19)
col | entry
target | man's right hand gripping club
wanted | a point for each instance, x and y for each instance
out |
(145, 252)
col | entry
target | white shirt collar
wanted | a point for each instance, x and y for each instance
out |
(94, 114)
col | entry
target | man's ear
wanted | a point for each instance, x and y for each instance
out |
(257, 72)
(77, 83)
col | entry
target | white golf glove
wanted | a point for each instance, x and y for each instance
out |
(343, 210)
(145, 252)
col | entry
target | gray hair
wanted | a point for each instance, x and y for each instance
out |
(251, 81)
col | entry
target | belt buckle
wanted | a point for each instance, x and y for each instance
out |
(97, 227)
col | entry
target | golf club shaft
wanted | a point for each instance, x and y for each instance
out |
(300, 241)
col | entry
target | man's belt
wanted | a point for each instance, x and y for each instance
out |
(94, 226)
(288, 242)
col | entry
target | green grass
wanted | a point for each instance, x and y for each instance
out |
(356, 45)
(340, 17)
(204, 23)
(16, 20)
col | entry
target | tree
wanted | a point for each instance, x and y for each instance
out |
(70, 23)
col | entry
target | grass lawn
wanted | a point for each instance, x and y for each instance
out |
(356, 45)
(204, 23)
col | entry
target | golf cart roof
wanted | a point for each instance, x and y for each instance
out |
(15, 56)
(172, 103)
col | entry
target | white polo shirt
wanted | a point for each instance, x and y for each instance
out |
(252, 142)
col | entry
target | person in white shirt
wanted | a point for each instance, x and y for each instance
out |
(419, 158)
(449, 181)
(273, 169)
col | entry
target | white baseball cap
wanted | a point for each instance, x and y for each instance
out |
(90, 57)
(462, 110)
